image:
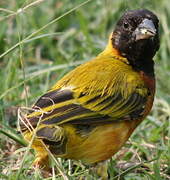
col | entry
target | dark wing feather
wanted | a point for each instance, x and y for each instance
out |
(60, 106)
(53, 97)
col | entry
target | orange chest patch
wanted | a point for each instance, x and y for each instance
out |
(150, 84)
(149, 81)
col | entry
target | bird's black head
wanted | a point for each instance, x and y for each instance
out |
(136, 37)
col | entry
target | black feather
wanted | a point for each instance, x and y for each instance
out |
(54, 97)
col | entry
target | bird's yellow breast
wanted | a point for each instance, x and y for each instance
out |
(100, 144)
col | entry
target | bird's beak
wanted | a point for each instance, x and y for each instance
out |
(145, 30)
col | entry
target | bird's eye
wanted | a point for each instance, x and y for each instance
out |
(126, 25)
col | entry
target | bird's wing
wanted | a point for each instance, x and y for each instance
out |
(61, 106)
(96, 92)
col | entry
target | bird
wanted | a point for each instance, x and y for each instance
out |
(90, 113)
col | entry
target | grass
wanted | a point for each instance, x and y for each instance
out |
(40, 41)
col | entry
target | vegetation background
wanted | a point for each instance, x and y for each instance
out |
(42, 40)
